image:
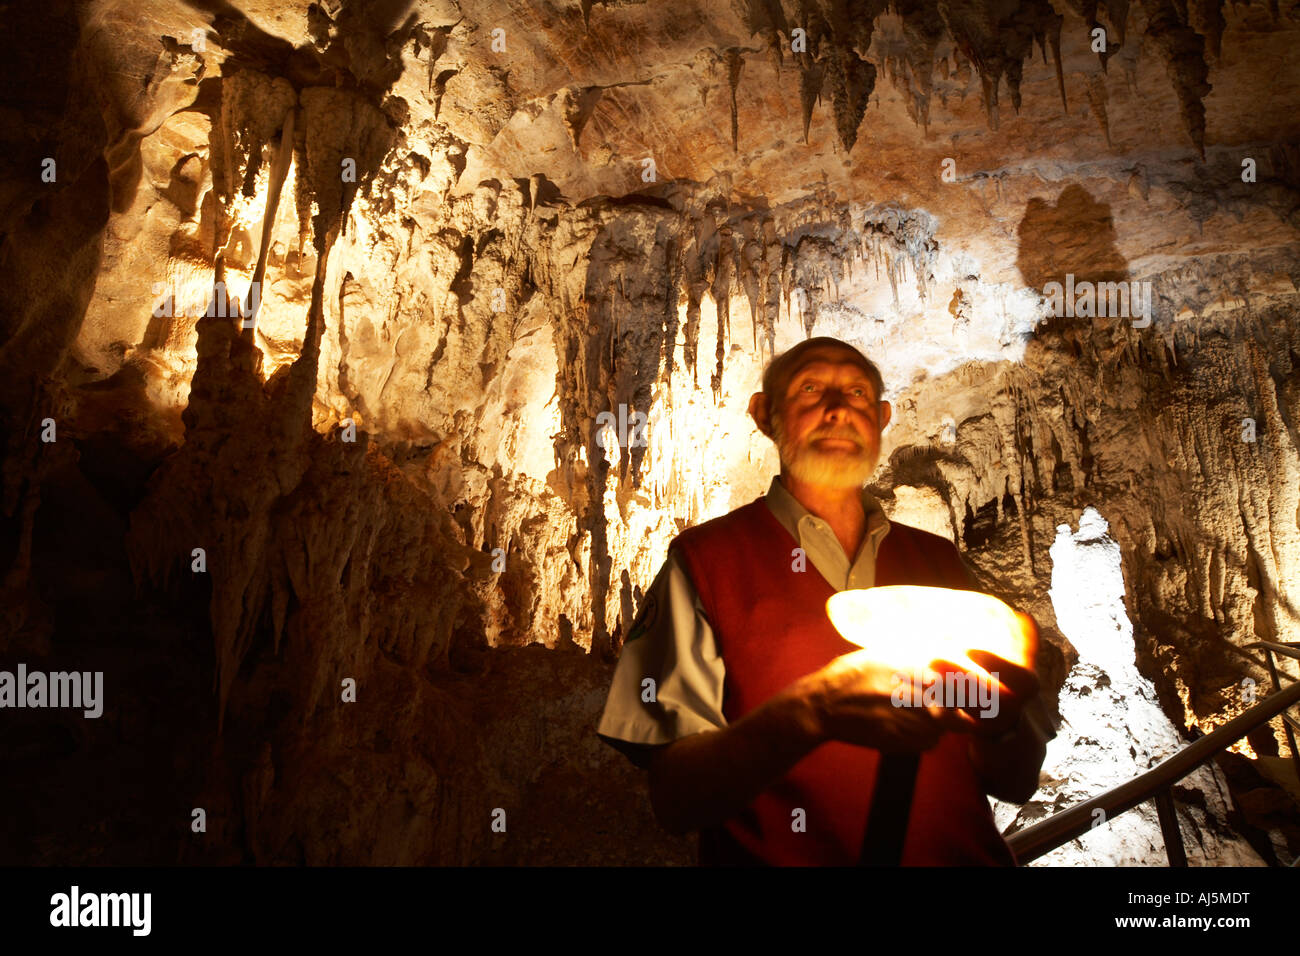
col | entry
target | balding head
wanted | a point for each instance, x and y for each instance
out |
(779, 371)
(782, 369)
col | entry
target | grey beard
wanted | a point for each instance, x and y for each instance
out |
(812, 467)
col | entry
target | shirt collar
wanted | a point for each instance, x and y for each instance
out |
(791, 513)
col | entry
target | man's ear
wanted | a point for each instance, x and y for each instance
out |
(761, 413)
(886, 413)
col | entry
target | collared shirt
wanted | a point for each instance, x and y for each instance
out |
(672, 644)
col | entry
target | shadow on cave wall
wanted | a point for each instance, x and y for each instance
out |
(1075, 234)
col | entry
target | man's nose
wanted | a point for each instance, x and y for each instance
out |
(836, 401)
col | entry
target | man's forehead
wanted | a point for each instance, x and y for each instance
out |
(824, 358)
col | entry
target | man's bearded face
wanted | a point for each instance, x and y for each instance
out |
(827, 427)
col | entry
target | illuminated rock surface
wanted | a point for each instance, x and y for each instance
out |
(1112, 727)
(503, 269)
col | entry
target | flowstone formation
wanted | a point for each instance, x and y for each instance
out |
(1112, 728)
(393, 342)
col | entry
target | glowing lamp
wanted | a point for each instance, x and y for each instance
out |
(906, 626)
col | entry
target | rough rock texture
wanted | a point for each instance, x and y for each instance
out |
(1109, 711)
(500, 223)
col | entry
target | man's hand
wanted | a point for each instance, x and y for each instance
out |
(1006, 750)
(853, 698)
(1008, 685)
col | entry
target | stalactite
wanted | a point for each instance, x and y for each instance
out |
(1053, 35)
(1097, 100)
(811, 76)
(922, 30)
(851, 80)
(1206, 18)
(253, 108)
(279, 171)
(735, 63)
(1183, 52)
(750, 275)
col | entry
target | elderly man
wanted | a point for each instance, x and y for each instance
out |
(762, 727)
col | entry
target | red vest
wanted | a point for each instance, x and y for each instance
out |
(771, 628)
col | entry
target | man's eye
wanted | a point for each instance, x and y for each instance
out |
(809, 385)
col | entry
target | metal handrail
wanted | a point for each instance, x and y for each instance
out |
(1289, 723)
(1060, 828)
(1286, 650)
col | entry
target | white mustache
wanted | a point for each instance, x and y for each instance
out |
(839, 437)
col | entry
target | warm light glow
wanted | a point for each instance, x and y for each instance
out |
(908, 627)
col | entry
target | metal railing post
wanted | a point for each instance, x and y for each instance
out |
(1286, 724)
(1168, 815)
